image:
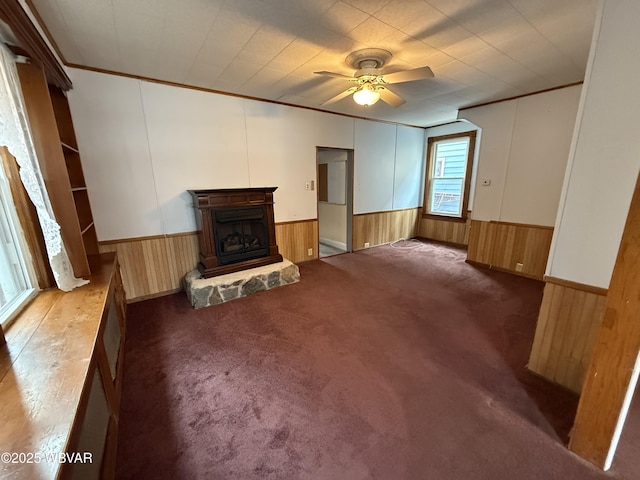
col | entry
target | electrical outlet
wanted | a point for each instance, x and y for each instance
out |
(307, 186)
(519, 267)
(310, 252)
(366, 245)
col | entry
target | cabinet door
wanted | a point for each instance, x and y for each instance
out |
(112, 338)
(93, 434)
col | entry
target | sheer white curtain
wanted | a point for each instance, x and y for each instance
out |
(16, 136)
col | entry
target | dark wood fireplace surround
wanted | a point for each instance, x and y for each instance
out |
(211, 203)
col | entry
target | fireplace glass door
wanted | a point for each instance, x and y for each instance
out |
(240, 234)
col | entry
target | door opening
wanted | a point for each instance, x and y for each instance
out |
(335, 200)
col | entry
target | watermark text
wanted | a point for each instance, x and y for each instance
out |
(46, 457)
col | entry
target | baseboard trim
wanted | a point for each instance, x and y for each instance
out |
(503, 270)
(333, 243)
(583, 287)
(153, 295)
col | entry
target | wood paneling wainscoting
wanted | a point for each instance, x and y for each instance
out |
(379, 228)
(569, 320)
(449, 231)
(296, 238)
(612, 376)
(502, 245)
(481, 242)
(154, 266)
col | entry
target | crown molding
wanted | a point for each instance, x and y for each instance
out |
(27, 34)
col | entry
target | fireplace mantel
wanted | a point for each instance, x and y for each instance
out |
(211, 204)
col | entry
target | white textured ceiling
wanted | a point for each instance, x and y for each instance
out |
(479, 50)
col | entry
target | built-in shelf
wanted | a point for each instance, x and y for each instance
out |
(86, 229)
(73, 165)
(83, 208)
(53, 140)
(74, 168)
(66, 146)
(90, 240)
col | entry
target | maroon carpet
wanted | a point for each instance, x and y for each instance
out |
(390, 363)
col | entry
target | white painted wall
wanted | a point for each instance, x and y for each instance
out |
(605, 155)
(282, 153)
(497, 122)
(603, 164)
(332, 223)
(326, 156)
(115, 155)
(144, 144)
(374, 160)
(388, 167)
(539, 151)
(333, 130)
(408, 176)
(337, 182)
(523, 151)
(192, 147)
(458, 126)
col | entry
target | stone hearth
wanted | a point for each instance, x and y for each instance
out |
(203, 292)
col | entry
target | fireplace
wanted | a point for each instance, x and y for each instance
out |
(240, 233)
(236, 230)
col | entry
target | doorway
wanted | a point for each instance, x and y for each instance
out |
(335, 200)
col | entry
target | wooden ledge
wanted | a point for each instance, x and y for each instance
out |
(43, 369)
(583, 287)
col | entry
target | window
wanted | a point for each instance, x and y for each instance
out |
(449, 161)
(16, 284)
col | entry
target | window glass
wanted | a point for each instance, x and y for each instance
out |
(15, 282)
(447, 175)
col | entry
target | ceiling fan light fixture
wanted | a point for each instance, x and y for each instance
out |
(371, 82)
(367, 95)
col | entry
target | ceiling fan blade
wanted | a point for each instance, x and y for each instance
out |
(387, 96)
(421, 73)
(333, 74)
(340, 96)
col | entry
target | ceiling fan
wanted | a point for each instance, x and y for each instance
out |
(371, 84)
